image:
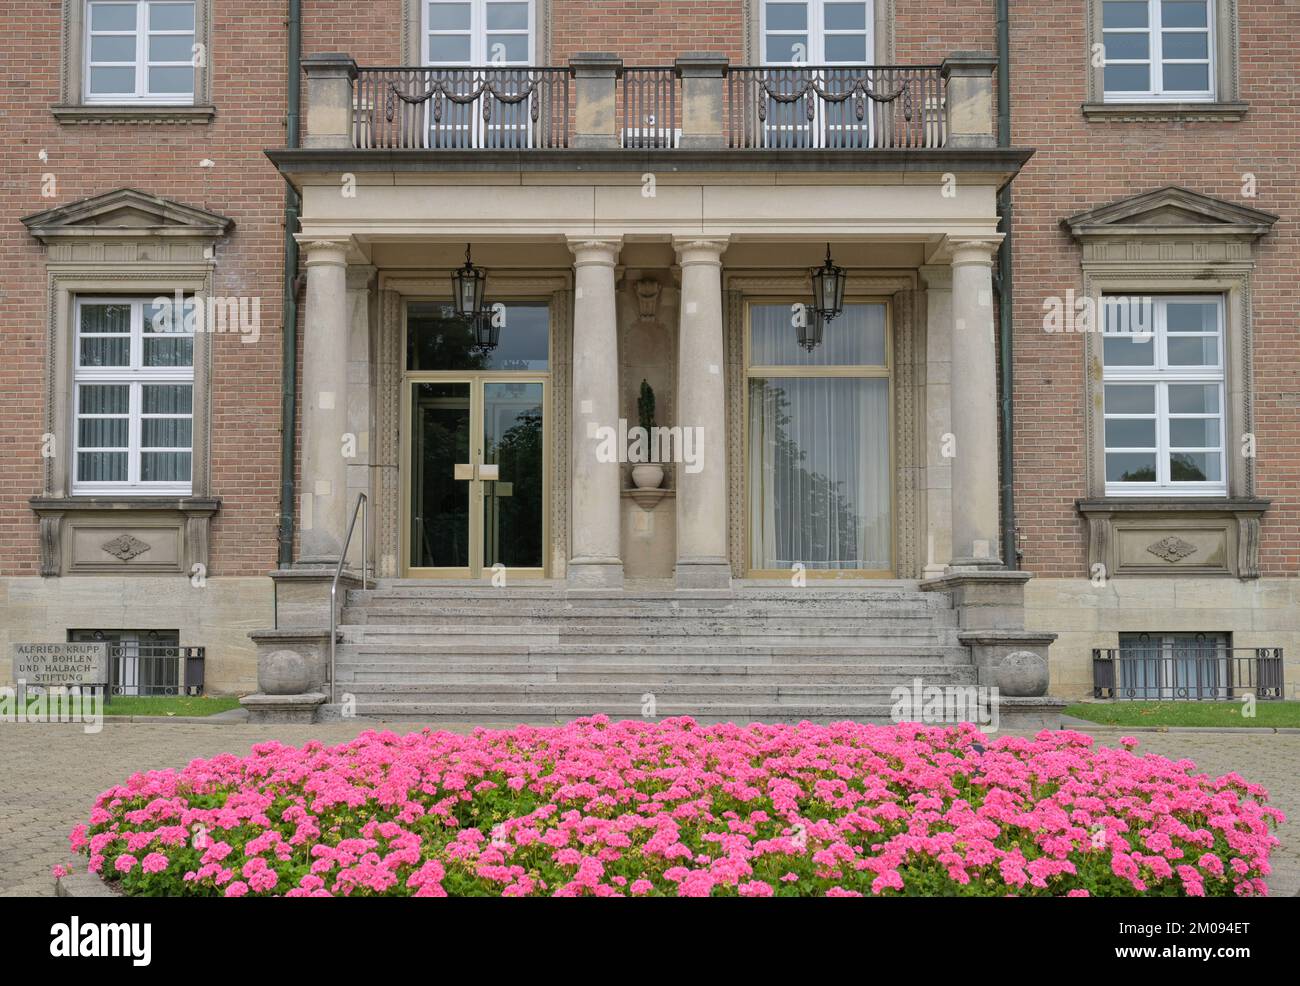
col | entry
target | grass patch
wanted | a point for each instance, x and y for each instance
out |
(1267, 714)
(165, 705)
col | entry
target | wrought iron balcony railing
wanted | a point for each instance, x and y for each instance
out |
(1187, 672)
(862, 107)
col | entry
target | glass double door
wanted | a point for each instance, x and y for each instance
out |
(476, 491)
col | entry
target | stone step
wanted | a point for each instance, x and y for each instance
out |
(644, 622)
(866, 632)
(362, 676)
(547, 713)
(812, 655)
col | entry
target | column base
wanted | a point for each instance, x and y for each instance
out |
(703, 573)
(595, 573)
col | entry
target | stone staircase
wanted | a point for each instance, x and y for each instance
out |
(539, 653)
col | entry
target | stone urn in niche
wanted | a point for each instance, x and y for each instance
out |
(647, 475)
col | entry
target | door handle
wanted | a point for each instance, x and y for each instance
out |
(463, 470)
(470, 470)
(491, 473)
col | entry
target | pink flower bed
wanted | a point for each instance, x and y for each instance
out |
(675, 808)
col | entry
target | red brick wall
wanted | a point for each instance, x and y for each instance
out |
(248, 71)
(1080, 165)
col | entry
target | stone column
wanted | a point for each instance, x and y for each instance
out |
(936, 279)
(324, 402)
(596, 561)
(702, 409)
(974, 394)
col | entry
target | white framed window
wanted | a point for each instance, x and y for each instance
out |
(1158, 50)
(816, 32)
(133, 402)
(140, 51)
(1163, 395)
(478, 32)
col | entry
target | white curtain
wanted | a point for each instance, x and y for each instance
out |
(819, 472)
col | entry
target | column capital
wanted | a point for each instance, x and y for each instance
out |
(973, 249)
(324, 249)
(601, 250)
(700, 249)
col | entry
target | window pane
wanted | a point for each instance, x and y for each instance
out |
(1130, 467)
(1194, 432)
(171, 17)
(112, 17)
(856, 338)
(436, 340)
(507, 16)
(1126, 45)
(1183, 44)
(1192, 316)
(171, 48)
(1129, 350)
(1193, 398)
(507, 48)
(103, 432)
(846, 48)
(101, 467)
(1127, 399)
(1130, 433)
(787, 16)
(171, 81)
(1182, 13)
(165, 433)
(819, 451)
(112, 80)
(448, 17)
(106, 351)
(1187, 78)
(168, 351)
(846, 16)
(449, 48)
(170, 398)
(105, 399)
(112, 48)
(1127, 78)
(787, 48)
(164, 467)
(1193, 350)
(106, 318)
(1123, 14)
(1194, 467)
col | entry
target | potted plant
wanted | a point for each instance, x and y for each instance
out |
(647, 475)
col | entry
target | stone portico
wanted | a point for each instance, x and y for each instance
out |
(649, 261)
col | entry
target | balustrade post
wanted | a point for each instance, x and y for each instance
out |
(329, 99)
(595, 76)
(969, 75)
(703, 107)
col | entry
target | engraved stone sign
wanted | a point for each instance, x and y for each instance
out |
(61, 664)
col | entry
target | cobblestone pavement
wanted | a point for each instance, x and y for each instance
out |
(51, 773)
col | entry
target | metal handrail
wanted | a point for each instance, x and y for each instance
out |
(360, 508)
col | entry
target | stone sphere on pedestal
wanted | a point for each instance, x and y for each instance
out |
(283, 672)
(1022, 674)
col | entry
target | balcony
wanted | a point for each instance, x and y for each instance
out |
(700, 103)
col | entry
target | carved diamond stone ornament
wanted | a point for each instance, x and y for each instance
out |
(125, 547)
(1172, 549)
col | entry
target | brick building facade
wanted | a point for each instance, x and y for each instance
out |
(1166, 174)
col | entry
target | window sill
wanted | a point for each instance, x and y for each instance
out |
(1164, 112)
(127, 113)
